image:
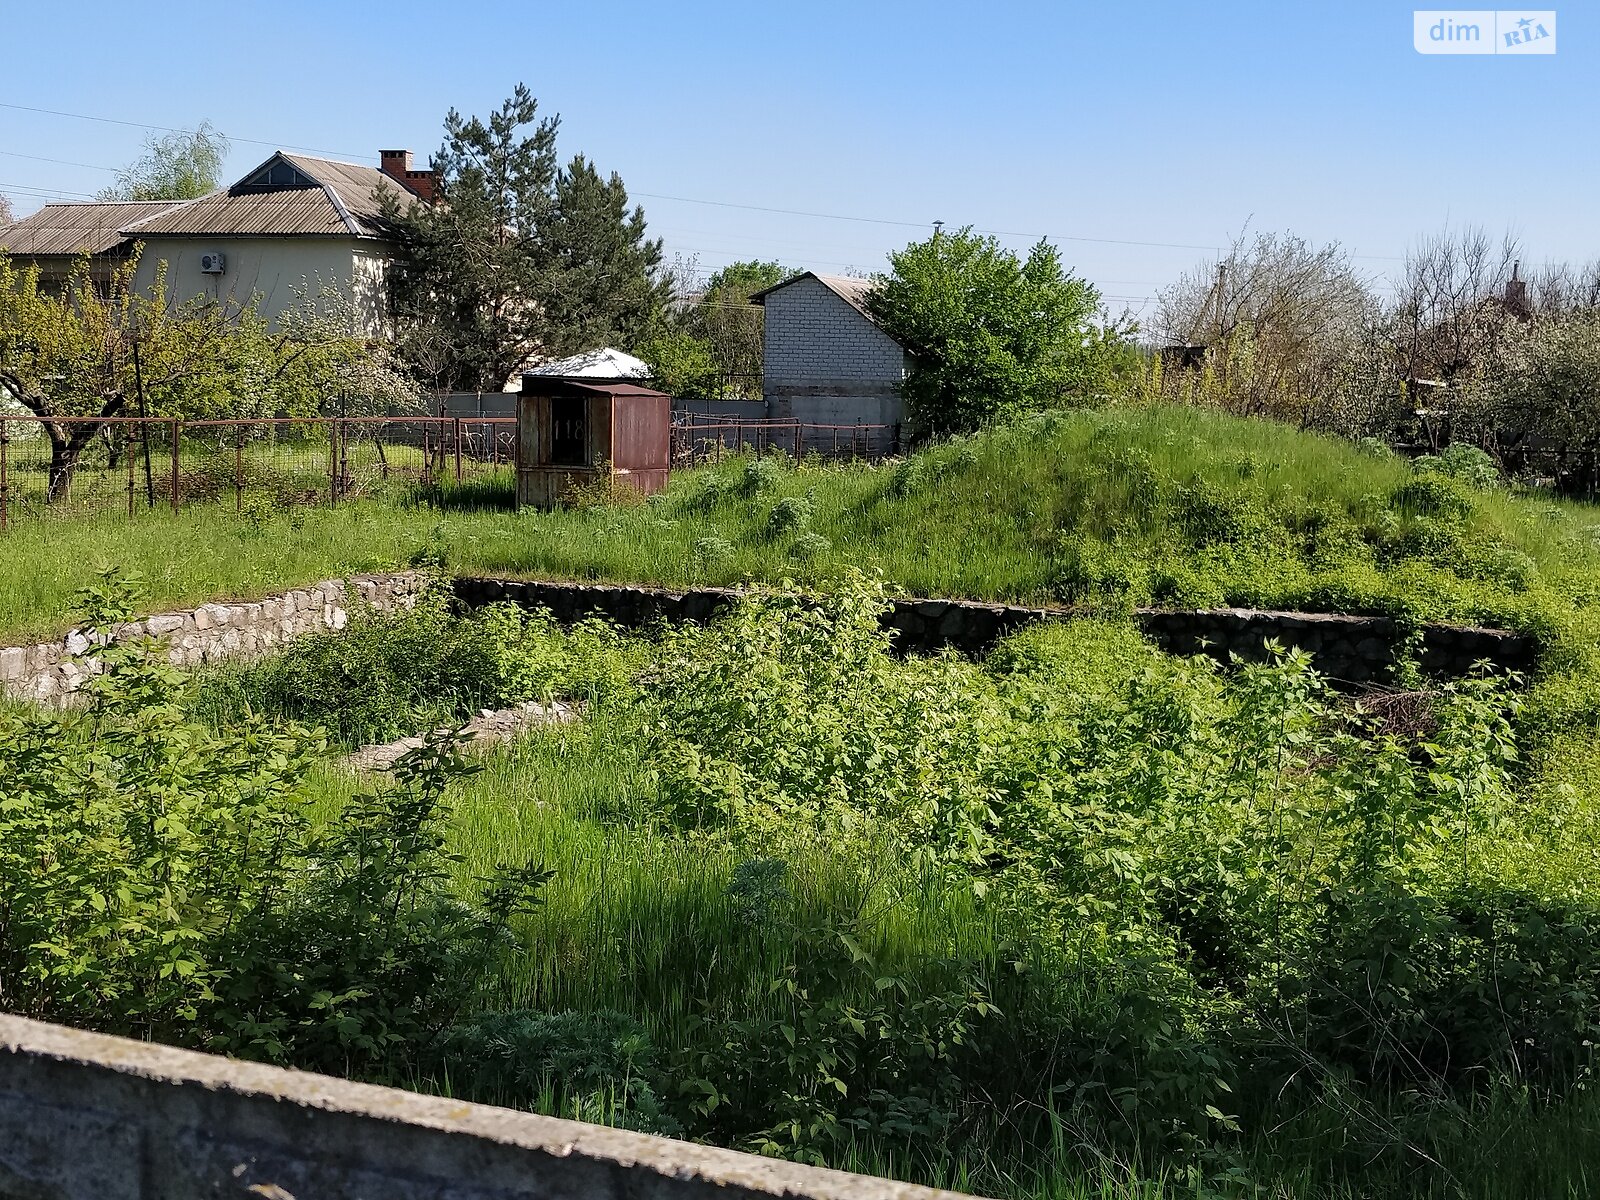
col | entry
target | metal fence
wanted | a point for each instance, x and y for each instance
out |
(699, 439)
(115, 468)
(119, 467)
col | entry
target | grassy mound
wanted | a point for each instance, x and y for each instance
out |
(1099, 509)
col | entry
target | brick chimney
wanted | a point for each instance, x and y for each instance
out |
(396, 164)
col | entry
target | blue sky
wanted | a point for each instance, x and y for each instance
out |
(1134, 122)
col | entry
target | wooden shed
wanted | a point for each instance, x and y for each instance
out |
(573, 432)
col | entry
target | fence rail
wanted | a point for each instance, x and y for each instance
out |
(111, 468)
(697, 438)
(107, 467)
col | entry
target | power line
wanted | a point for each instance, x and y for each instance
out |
(647, 195)
(53, 112)
(794, 212)
(60, 162)
(31, 190)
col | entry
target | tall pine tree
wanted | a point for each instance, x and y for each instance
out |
(606, 283)
(516, 259)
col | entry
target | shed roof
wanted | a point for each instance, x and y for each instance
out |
(79, 228)
(533, 384)
(288, 195)
(605, 363)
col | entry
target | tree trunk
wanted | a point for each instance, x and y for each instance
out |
(67, 441)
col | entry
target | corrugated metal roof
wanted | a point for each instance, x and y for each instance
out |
(355, 184)
(91, 228)
(852, 289)
(344, 205)
(300, 211)
(605, 363)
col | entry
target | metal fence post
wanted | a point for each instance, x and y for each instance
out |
(127, 448)
(333, 462)
(177, 432)
(5, 483)
(456, 433)
(238, 471)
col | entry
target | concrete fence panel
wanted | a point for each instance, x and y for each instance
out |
(84, 1116)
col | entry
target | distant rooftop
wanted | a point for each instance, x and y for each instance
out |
(852, 289)
(79, 228)
(289, 194)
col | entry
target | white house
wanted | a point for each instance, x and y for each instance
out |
(291, 225)
(825, 359)
(288, 227)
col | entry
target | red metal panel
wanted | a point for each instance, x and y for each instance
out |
(641, 438)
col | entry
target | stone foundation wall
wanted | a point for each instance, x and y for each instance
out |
(50, 672)
(1349, 649)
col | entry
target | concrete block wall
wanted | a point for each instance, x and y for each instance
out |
(49, 672)
(825, 362)
(84, 1116)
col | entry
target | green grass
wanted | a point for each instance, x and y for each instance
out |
(641, 923)
(1098, 509)
(1042, 511)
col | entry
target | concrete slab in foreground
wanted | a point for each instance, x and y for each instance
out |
(84, 1116)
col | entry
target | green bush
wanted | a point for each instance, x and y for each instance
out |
(1231, 892)
(161, 879)
(1431, 495)
(790, 515)
(597, 1065)
(391, 674)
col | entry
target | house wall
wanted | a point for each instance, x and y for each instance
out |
(826, 363)
(274, 267)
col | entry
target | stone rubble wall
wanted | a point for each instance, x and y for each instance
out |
(1349, 649)
(50, 672)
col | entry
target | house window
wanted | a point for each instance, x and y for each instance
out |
(569, 431)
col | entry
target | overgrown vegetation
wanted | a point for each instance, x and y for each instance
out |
(1474, 346)
(1078, 912)
(391, 674)
(1097, 509)
(991, 335)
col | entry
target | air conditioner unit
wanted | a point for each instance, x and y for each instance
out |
(213, 264)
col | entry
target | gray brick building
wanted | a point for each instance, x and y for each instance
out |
(826, 361)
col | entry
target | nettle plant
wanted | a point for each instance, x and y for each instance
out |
(1216, 886)
(161, 878)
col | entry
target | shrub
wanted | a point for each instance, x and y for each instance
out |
(1431, 495)
(761, 475)
(596, 1065)
(711, 552)
(390, 674)
(809, 545)
(159, 878)
(792, 514)
(1464, 462)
